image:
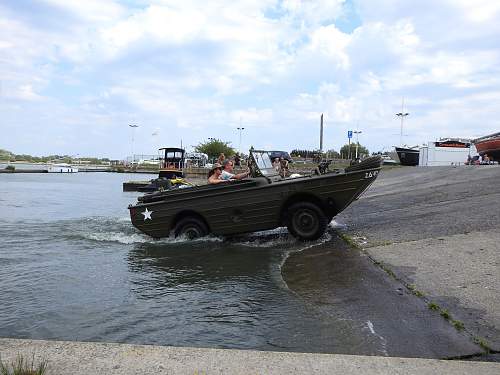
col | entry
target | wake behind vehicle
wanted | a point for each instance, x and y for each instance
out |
(305, 204)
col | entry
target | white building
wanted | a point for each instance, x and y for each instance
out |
(446, 151)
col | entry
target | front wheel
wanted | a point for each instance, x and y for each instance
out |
(306, 221)
(191, 227)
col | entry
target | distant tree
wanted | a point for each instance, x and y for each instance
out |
(332, 154)
(23, 157)
(344, 151)
(305, 153)
(214, 147)
(5, 155)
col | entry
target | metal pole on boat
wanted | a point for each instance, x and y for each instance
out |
(402, 115)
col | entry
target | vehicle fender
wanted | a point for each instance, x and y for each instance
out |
(328, 207)
(188, 213)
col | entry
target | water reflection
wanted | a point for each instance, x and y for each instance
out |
(199, 265)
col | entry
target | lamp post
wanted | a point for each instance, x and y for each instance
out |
(240, 130)
(357, 132)
(402, 115)
(133, 126)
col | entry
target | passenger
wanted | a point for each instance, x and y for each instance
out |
(237, 160)
(227, 173)
(283, 168)
(221, 158)
(214, 174)
(276, 164)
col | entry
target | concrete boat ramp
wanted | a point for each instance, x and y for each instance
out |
(437, 231)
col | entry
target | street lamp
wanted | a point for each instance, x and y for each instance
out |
(240, 129)
(357, 132)
(402, 115)
(133, 126)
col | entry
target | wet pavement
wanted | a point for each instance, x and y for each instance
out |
(377, 314)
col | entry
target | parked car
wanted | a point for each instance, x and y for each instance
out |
(280, 154)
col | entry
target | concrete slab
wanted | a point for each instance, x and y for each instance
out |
(85, 358)
(461, 273)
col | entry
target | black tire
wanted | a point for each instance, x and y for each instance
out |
(191, 227)
(306, 221)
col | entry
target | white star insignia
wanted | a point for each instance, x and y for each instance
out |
(147, 214)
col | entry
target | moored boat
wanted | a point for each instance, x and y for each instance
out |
(489, 145)
(408, 156)
(61, 168)
(170, 172)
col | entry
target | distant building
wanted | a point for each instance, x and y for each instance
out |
(446, 151)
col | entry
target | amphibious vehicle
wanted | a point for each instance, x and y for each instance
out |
(304, 204)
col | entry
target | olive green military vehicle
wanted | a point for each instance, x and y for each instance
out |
(304, 204)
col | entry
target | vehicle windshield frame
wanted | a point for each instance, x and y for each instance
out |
(263, 163)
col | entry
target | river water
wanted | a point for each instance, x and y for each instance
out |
(72, 267)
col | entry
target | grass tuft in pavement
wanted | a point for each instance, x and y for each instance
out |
(482, 343)
(458, 324)
(22, 366)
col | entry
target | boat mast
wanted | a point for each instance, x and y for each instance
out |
(402, 115)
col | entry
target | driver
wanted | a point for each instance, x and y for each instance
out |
(227, 172)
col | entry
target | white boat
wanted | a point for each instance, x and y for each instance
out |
(61, 168)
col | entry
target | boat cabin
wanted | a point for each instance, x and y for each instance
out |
(171, 163)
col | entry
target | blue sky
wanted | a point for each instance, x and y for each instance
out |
(74, 74)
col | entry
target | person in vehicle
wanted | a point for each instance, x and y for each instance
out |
(283, 167)
(276, 164)
(214, 174)
(221, 158)
(227, 172)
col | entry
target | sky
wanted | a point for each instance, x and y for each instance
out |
(75, 74)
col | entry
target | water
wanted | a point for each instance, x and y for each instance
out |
(72, 267)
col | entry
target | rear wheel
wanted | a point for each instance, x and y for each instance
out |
(191, 227)
(306, 221)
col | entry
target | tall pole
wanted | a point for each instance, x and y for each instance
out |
(321, 136)
(357, 132)
(133, 126)
(240, 129)
(402, 115)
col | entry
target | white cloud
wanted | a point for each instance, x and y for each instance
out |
(192, 69)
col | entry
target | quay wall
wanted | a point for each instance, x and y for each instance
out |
(87, 358)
